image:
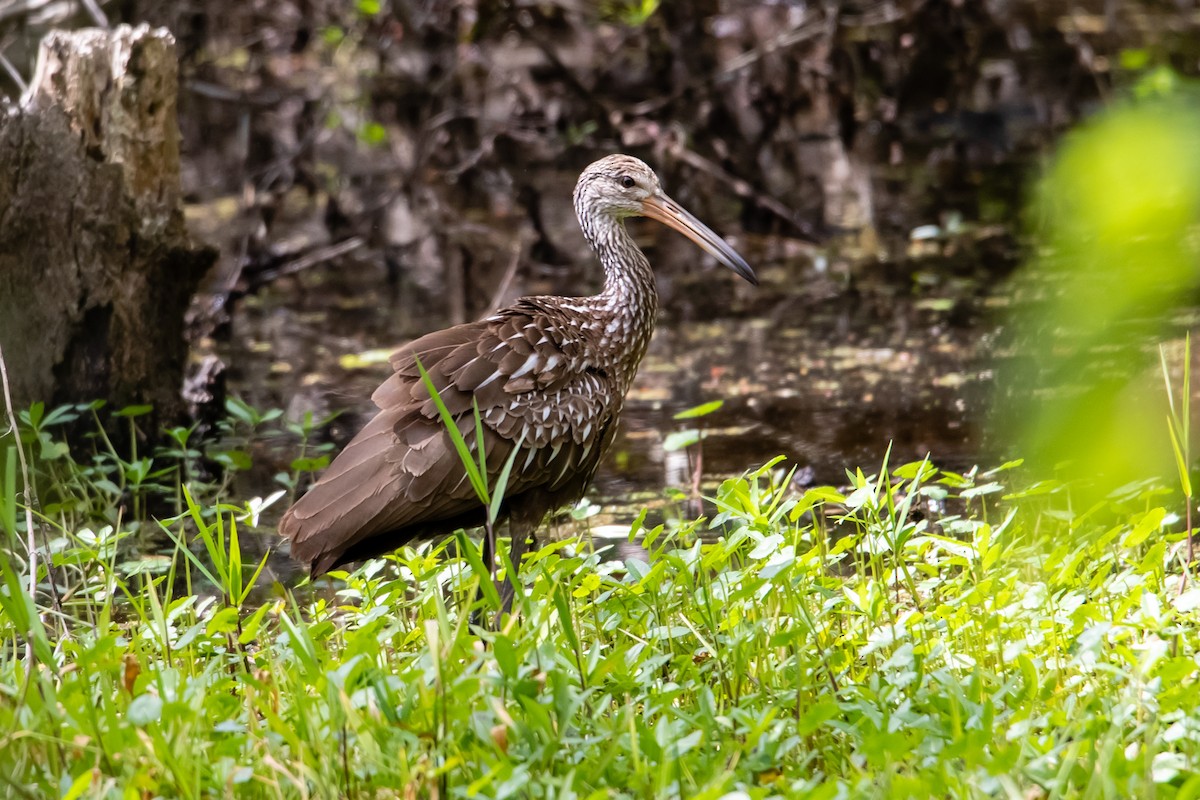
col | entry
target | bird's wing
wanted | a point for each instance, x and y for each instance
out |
(532, 386)
(494, 361)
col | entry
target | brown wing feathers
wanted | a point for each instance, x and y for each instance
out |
(401, 478)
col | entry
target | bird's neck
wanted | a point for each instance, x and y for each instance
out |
(628, 279)
(629, 301)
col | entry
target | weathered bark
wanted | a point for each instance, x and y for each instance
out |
(96, 268)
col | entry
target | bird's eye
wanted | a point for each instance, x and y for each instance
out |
(628, 182)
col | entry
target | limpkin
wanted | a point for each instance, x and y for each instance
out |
(548, 374)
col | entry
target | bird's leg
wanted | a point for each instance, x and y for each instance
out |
(508, 589)
(523, 530)
(489, 549)
(489, 560)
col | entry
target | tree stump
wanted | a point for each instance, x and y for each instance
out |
(96, 267)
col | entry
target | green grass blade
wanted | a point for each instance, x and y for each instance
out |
(213, 543)
(498, 493)
(479, 447)
(250, 584)
(478, 483)
(471, 554)
(1187, 391)
(8, 499)
(234, 589)
(562, 602)
(197, 517)
(21, 609)
(1181, 464)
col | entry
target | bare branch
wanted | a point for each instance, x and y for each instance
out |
(27, 490)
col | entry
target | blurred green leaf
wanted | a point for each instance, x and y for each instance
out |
(1134, 58)
(372, 133)
(309, 464)
(224, 621)
(144, 709)
(1117, 212)
(134, 411)
(233, 459)
(701, 410)
(680, 440)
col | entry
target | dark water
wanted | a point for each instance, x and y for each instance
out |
(825, 366)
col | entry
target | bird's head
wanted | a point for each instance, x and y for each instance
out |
(620, 186)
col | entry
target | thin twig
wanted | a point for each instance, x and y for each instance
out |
(311, 259)
(509, 273)
(741, 188)
(790, 38)
(95, 12)
(265, 98)
(697, 501)
(22, 8)
(13, 74)
(30, 544)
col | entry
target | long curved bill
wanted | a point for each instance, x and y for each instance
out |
(673, 215)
